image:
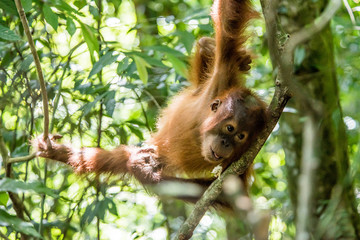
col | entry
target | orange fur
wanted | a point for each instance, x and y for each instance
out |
(182, 140)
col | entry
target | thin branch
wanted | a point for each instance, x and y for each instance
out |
(22, 159)
(316, 26)
(152, 98)
(350, 12)
(286, 61)
(25, 24)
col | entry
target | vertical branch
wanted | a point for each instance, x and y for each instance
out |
(25, 25)
(306, 179)
(269, 8)
(101, 112)
(43, 197)
(100, 75)
(17, 203)
(97, 202)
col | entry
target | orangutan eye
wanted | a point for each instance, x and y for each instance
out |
(230, 128)
(241, 136)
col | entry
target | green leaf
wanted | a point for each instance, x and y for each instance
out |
(94, 11)
(7, 34)
(4, 197)
(100, 209)
(62, 6)
(104, 60)
(111, 206)
(149, 60)
(80, 4)
(24, 66)
(15, 186)
(70, 26)
(180, 66)
(17, 224)
(166, 49)
(90, 39)
(9, 7)
(86, 109)
(88, 214)
(123, 135)
(197, 14)
(7, 59)
(187, 39)
(50, 17)
(122, 66)
(110, 102)
(135, 130)
(27, 5)
(141, 65)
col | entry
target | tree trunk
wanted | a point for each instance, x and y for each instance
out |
(334, 214)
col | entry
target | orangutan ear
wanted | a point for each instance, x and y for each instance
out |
(215, 105)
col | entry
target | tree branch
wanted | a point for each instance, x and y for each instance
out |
(22, 159)
(25, 24)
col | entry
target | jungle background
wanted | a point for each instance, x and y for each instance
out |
(111, 65)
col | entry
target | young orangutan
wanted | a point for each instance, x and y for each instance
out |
(209, 123)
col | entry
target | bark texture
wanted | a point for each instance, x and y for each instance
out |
(334, 211)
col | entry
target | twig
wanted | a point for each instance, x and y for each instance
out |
(350, 12)
(21, 159)
(25, 24)
(286, 59)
